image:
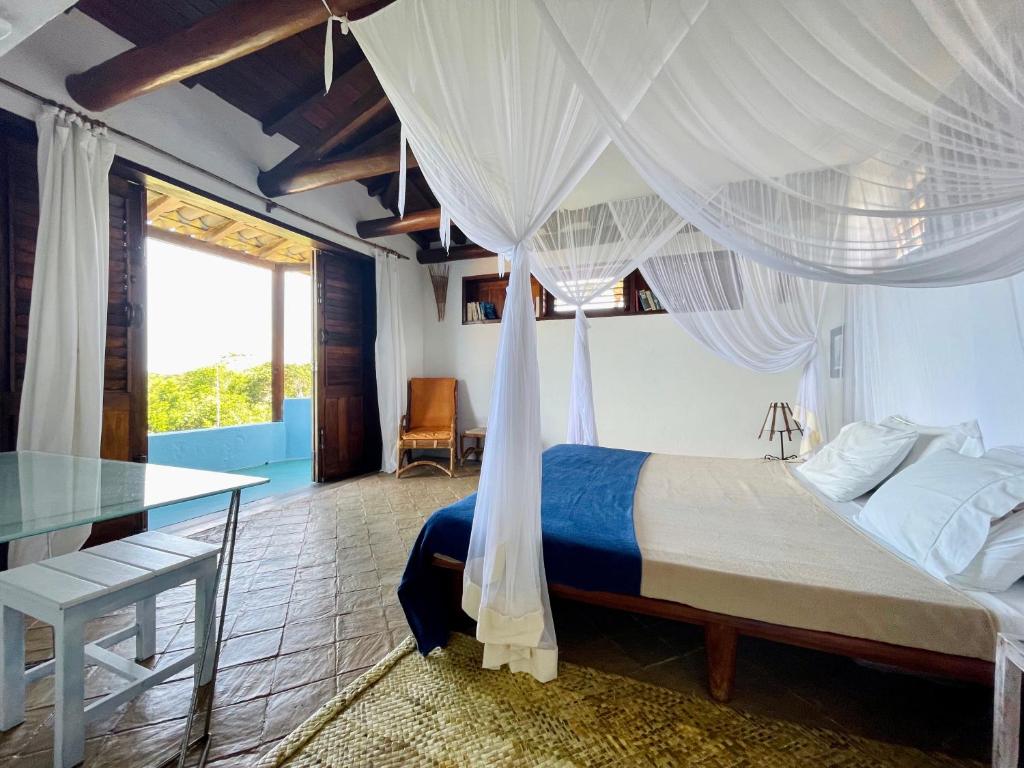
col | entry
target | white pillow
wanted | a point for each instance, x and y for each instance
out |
(939, 511)
(1000, 563)
(963, 438)
(1011, 454)
(862, 455)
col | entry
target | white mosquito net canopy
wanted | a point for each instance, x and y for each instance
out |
(782, 143)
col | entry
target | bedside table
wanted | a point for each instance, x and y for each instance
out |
(477, 435)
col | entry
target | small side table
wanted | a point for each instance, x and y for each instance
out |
(1006, 720)
(477, 435)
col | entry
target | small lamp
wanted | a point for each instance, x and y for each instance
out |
(782, 421)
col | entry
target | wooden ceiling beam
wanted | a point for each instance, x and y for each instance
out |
(238, 29)
(458, 253)
(340, 130)
(415, 221)
(375, 159)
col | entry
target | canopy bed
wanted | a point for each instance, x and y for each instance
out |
(779, 146)
(742, 547)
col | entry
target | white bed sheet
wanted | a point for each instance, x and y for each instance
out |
(1007, 608)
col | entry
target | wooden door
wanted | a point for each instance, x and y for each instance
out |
(346, 420)
(124, 405)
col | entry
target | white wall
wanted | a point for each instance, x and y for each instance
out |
(833, 316)
(654, 387)
(199, 127)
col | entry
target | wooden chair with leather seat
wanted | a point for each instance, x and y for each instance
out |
(429, 424)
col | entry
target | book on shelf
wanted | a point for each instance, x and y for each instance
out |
(479, 311)
(648, 301)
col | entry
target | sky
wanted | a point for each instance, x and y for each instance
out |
(203, 308)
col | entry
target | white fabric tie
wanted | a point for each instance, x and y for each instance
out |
(582, 419)
(403, 170)
(329, 44)
(445, 229)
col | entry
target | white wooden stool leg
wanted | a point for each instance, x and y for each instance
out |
(1006, 723)
(12, 677)
(145, 619)
(69, 692)
(206, 610)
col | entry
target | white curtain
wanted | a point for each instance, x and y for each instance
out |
(937, 356)
(62, 394)
(578, 254)
(389, 351)
(770, 118)
(746, 313)
(501, 134)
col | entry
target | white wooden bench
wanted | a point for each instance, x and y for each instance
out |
(70, 590)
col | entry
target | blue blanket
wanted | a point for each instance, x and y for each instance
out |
(587, 521)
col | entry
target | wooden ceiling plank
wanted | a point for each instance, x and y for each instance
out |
(236, 30)
(248, 221)
(297, 107)
(376, 185)
(271, 248)
(158, 208)
(216, 234)
(350, 121)
(416, 221)
(458, 253)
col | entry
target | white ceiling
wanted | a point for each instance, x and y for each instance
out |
(25, 17)
(611, 177)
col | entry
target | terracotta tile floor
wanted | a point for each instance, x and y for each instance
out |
(313, 604)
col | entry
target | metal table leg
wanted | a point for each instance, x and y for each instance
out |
(227, 549)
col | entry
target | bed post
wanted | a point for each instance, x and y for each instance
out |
(720, 645)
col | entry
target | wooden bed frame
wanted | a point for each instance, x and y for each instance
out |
(722, 633)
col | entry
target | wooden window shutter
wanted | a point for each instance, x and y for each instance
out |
(346, 419)
(124, 409)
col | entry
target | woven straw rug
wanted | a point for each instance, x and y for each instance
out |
(447, 711)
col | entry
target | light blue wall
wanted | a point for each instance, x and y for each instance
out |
(298, 422)
(250, 445)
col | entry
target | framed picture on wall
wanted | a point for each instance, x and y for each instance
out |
(835, 354)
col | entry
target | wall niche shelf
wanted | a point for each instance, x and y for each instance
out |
(492, 288)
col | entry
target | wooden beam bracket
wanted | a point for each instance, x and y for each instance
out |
(457, 253)
(414, 221)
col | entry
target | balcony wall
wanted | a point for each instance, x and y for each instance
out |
(228, 448)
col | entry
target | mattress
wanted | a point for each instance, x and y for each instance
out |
(749, 539)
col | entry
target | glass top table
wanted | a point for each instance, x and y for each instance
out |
(45, 492)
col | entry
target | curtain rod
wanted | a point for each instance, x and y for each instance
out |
(267, 202)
